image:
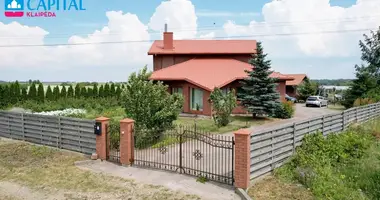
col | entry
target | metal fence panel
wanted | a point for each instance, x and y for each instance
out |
(272, 147)
(60, 132)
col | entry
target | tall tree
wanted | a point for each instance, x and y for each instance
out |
(77, 91)
(56, 93)
(89, 92)
(17, 91)
(101, 91)
(258, 93)
(367, 82)
(106, 90)
(95, 92)
(3, 100)
(70, 92)
(24, 94)
(83, 92)
(112, 90)
(118, 92)
(40, 93)
(49, 94)
(306, 89)
(63, 92)
(32, 93)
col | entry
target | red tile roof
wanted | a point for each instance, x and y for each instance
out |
(208, 73)
(298, 78)
(205, 47)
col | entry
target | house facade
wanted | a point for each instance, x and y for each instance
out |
(292, 85)
(194, 68)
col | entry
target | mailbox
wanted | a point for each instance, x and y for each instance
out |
(98, 128)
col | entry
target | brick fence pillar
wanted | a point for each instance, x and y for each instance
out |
(242, 158)
(101, 140)
(126, 141)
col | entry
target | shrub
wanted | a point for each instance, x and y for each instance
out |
(222, 106)
(284, 110)
(363, 101)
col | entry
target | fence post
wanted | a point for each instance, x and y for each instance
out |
(343, 120)
(101, 140)
(127, 142)
(242, 158)
(323, 125)
(23, 126)
(356, 115)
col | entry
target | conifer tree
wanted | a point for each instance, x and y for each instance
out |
(118, 92)
(40, 93)
(17, 91)
(3, 101)
(101, 91)
(24, 94)
(89, 92)
(83, 92)
(32, 93)
(63, 92)
(106, 90)
(70, 92)
(95, 92)
(49, 94)
(259, 95)
(77, 91)
(56, 93)
(112, 90)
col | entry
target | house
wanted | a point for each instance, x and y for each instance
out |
(195, 67)
(291, 85)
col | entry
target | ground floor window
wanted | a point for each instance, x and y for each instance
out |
(196, 99)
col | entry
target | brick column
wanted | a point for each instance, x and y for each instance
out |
(242, 158)
(101, 140)
(126, 141)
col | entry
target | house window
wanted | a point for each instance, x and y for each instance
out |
(177, 90)
(196, 98)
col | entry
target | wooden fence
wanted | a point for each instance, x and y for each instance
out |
(60, 132)
(271, 148)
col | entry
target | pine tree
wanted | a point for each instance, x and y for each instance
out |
(17, 91)
(70, 92)
(118, 92)
(63, 92)
(106, 90)
(83, 92)
(32, 94)
(112, 90)
(259, 94)
(12, 96)
(49, 94)
(101, 91)
(24, 94)
(56, 93)
(3, 102)
(6, 98)
(89, 92)
(40, 93)
(77, 91)
(95, 92)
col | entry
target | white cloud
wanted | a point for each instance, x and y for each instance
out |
(214, 13)
(310, 16)
(208, 35)
(179, 14)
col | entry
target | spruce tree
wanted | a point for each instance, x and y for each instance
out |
(89, 92)
(2, 97)
(6, 98)
(77, 91)
(101, 91)
(49, 94)
(259, 94)
(63, 92)
(40, 93)
(24, 94)
(70, 92)
(56, 93)
(17, 91)
(106, 90)
(112, 90)
(83, 92)
(118, 92)
(32, 93)
(12, 96)
(95, 92)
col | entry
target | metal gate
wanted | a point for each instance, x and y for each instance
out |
(113, 143)
(188, 151)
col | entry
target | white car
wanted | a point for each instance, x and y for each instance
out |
(316, 101)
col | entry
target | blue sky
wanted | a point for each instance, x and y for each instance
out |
(208, 13)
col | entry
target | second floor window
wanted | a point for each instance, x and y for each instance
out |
(177, 90)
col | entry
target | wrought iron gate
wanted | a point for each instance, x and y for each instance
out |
(113, 143)
(188, 151)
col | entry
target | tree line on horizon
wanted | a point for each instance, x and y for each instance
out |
(13, 93)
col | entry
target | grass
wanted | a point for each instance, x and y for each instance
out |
(271, 188)
(208, 125)
(49, 169)
(336, 107)
(342, 166)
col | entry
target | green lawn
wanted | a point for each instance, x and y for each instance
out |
(336, 107)
(208, 125)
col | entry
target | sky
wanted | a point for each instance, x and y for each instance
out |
(316, 37)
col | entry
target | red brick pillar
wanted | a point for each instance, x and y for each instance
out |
(101, 140)
(126, 141)
(242, 158)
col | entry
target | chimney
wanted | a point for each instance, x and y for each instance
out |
(168, 38)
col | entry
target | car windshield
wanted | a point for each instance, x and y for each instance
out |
(311, 98)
